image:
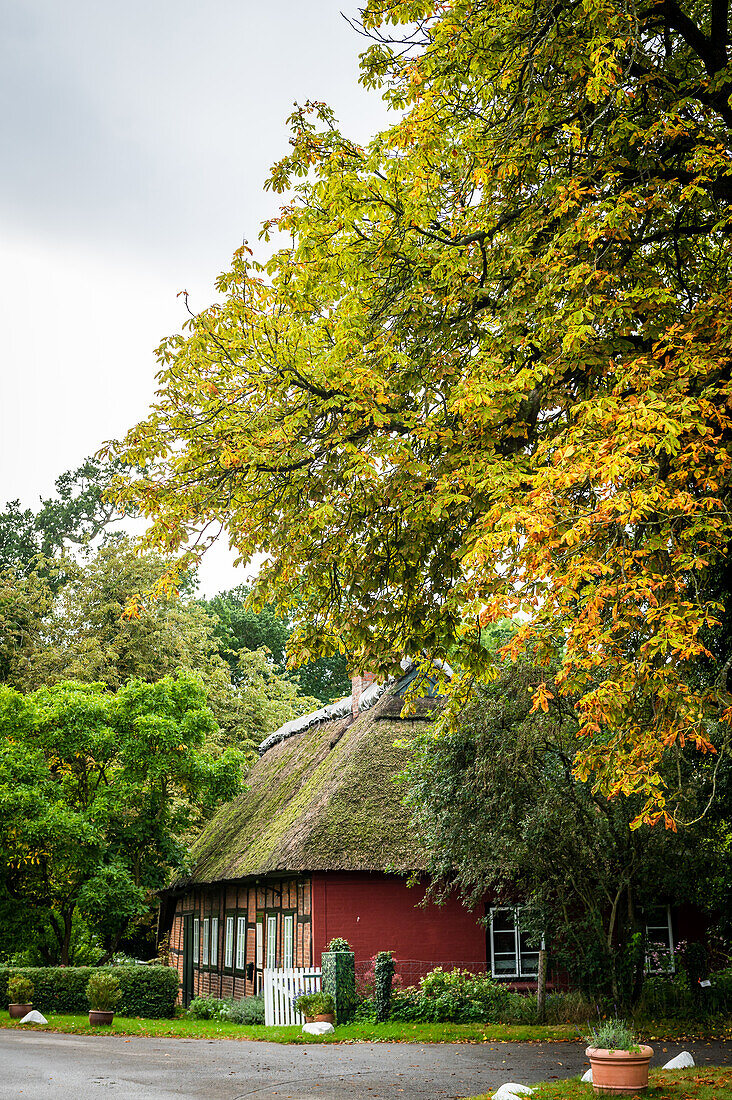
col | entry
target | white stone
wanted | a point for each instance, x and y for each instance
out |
(511, 1091)
(34, 1017)
(587, 1076)
(322, 1028)
(681, 1061)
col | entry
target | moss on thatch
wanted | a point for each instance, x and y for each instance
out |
(326, 799)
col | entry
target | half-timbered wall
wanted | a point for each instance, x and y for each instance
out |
(240, 908)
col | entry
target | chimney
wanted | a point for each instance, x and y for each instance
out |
(359, 682)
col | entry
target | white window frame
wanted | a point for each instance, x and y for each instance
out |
(517, 971)
(214, 956)
(196, 936)
(241, 943)
(229, 944)
(205, 942)
(271, 943)
(288, 940)
(667, 926)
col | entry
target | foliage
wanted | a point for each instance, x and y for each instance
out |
(103, 991)
(338, 964)
(613, 1034)
(247, 1011)
(383, 974)
(339, 944)
(678, 997)
(208, 1008)
(78, 513)
(457, 996)
(147, 991)
(315, 1004)
(488, 370)
(98, 793)
(20, 989)
(238, 629)
(497, 804)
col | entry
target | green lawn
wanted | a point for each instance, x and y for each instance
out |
(680, 1084)
(183, 1027)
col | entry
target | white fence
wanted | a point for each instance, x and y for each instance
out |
(282, 986)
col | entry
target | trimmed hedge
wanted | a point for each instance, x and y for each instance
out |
(147, 991)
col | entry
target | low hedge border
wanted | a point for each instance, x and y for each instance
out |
(147, 991)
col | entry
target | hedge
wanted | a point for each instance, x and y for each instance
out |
(147, 991)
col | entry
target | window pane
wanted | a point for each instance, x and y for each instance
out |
(196, 934)
(288, 927)
(504, 964)
(271, 942)
(504, 943)
(214, 941)
(229, 946)
(241, 942)
(504, 920)
(206, 934)
(529, 963)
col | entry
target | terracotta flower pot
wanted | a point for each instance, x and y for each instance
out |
(17, 1012)
(99, 1017)
(619, 1072)
(323, 1018)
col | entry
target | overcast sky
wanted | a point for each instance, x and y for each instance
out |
(135, 141)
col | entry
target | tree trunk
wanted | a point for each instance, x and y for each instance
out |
(541, 986)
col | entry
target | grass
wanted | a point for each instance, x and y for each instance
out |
(680, 1084)
(182, 1027)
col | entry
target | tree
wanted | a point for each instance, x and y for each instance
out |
(81, 633)
(490, 370)
(239, 629)
(79, 512)
(98, 794)
(497, 806)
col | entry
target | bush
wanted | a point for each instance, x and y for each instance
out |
(147, 991)
(208, 1008)
(384, 972)
(455, 996)
(315, 1004)
(103, 990)
(613, 1034)
(20, 990)
(249, 1010)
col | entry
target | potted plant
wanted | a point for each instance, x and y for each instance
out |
(619, 1062)
(20, 992)
(103, 992)
(316, 1007)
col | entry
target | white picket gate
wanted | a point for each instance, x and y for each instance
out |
(282, 986)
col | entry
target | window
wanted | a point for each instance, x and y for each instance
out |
(288, 928)
(241, 942)
(196, 935)
(229, 943)
(206, 934)
(214, 941)
(271, 942)
(514, 953)
(659, 941)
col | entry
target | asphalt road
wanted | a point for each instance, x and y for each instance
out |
(36, 1065)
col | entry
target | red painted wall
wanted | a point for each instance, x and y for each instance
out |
(378, 912)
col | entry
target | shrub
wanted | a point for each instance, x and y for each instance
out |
(20, 990)
(103, 991)
(208, 1008)
(384, 972)
(315, 1004)
(613, 1034)
(249, 1010)
(339, 944)
(147, 991)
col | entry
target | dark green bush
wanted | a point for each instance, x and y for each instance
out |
(384, 972)
(208, 1008)
(147, 991)
(455, 996)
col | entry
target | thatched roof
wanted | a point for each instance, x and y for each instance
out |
(324, 799)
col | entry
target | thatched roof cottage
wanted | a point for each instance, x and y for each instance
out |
(319, 845)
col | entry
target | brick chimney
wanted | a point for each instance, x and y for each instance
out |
(359, 682)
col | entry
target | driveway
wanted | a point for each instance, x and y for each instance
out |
(37, 1065)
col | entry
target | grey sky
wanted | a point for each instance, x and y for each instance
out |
(135, 141)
